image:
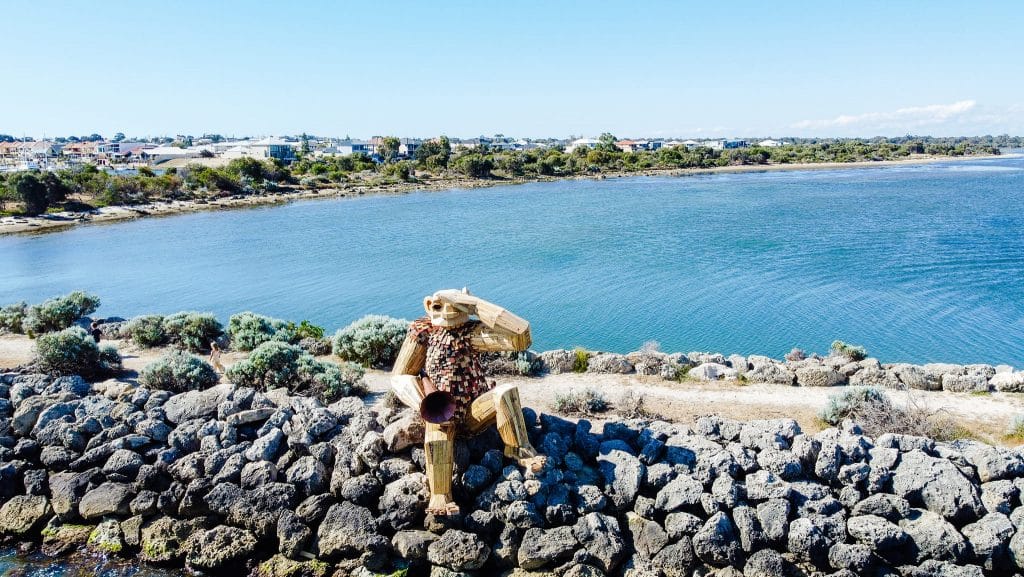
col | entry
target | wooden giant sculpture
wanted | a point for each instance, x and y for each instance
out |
(438, 373)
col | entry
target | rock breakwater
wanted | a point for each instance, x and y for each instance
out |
(232, 480)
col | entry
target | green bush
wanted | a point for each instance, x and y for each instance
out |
(372, 341)
(178, 371)
(249, 330)
(73, 352)
(305, 330)
(59, 313)
(581, 361)
(277, 364)
(193, 331)
(850, 402)
(148, 331)
(12, 318)
(852, 352)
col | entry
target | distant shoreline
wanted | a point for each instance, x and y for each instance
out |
(10, 225)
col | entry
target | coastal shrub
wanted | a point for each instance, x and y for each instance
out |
(316, 347)
(12, 318)
(876, 414)
(278, 364)
(852, 352)
(73, 351)
(305, 330)
(1015, 430)
(633, 405)
(580, 361)
(372, 341)
(271, 364)
(796, 355)
(586, 402)
(851, 402)
(110, 360)
(330, 382)
(178, 371)
(148, 331)
(249, 330)
(193, 331)
(59, 313)
(518, 363)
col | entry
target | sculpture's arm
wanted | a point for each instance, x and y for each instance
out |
(499, 330)
(405, 374)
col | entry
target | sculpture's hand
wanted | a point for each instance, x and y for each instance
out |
(460, 299)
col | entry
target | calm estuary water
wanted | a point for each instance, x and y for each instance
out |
(916, 263)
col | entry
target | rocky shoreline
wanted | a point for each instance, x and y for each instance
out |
(812, 371)
(231, 480)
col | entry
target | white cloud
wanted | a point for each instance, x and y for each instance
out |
(901, 119)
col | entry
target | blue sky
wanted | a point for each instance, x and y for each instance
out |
(523, 68)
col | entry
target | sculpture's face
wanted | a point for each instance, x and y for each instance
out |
(444, 314)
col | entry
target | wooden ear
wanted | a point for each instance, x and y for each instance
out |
(427, 301)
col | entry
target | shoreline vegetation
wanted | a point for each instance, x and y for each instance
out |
(264, 474)
(44, 202)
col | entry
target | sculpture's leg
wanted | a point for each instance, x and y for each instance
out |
(439, 445)
(512, 428)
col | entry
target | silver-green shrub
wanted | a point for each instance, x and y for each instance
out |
(148, 330)
(192, 331)
(59, 313)
(12, 318)
(249, 330)
(271, 364)
(73, 351)
(277, 364)
(587, 402)
(852, 401)
(372, 341)
(178, 371)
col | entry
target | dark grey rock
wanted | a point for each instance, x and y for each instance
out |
(623, 473)
(459, 551)
(989, 538)
(292, 535)
(219, 548)
(24, 515)
(404, 502)
(348, 530)
(876, 532)
(364, 490)
(938, 485)
(107, 499)
(308, 475)
(856, 558)
(717, 543)
(676, 559)
(683, 492)
(541, 547)
(773, 516)
(412, 545)
(600, 535)
(648, 537)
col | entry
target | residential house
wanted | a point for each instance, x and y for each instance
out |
(769, 143)
(78, 152)
(582, 143)
(408, 147)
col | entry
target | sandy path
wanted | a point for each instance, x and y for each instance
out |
(987, 416)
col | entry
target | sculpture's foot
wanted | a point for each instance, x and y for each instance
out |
(534, 464)
(442, 505)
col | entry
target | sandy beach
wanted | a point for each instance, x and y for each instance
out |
(62, 220)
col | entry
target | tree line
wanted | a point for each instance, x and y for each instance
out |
(37, 192)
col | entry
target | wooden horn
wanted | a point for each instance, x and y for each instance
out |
(438, 406)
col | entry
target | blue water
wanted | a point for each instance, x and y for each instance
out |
(916, 263)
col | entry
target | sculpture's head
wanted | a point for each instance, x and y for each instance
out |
(443, 312)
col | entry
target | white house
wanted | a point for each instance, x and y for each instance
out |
(582, 142)
(164, 153)
(769, 143)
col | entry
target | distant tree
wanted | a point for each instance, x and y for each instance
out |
(119, 137)
(57, 190)
(6, 138)
(93, 137)
(434, 154)
(206, 153)
(6, 194)
(606, 142)
(388, 148)
(31, 191)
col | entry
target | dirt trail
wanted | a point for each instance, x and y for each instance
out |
(986, 415)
